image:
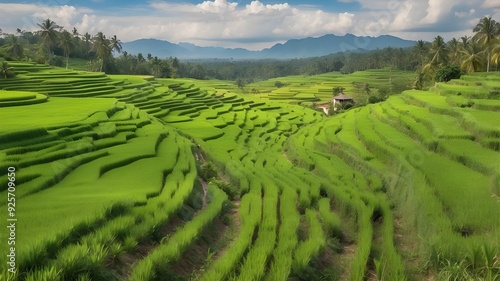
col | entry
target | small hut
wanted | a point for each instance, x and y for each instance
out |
(341, 100)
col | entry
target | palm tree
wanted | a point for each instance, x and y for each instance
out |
(473, 58)
(155, 62)
(454, 51)
(464, 42)
(116, 44)
(67, 44)
(140, 57)
(149, 57)
(87, 47)
(48, 32)
(418, 84)
(5, 69)
(495, 52)
(421, 49)
(439, 56)
(102, 47)
(486, 30)
(14, 49)
(75, 32)
(438, 51)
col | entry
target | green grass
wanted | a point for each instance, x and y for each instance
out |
(414, 178)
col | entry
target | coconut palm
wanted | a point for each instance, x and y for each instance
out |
(421, 50)
(87, 46)
(67, 44)
(439, 56)
(454, 49)
(116, 44)
(48, 32)
(4, 70)
(472, 58)
(140, 57)
(464, 42)
(438, 51)
(14, 49)
(155, 62)
(495, 52)
(486, 30)
(102, 47)
(418, 84)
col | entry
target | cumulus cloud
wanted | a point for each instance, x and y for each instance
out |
(256, 25)
(26, 16)
(217, 6)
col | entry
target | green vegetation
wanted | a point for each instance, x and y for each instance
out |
(183, 179)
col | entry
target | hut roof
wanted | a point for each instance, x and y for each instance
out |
(341, 96)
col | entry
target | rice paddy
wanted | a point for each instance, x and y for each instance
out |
(111, 179)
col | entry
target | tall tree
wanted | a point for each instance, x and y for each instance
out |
(67, 44)
(454, 49)
(102, 47)
(155, 62)
(495, 53)
(87, 46)
(464, 42)
(116, 44)
(15, 48)
(4, 70)
(140, 57)
(486, 30)
(472, 58)
(48, 31)
(438, 51)
(421, 49)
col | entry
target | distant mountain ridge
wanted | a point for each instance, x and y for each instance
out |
(293, 48)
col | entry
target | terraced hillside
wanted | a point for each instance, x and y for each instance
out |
(111, 184)
(306, 90)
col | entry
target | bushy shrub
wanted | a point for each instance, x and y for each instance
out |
(208, 171)
(56, 61)
(445, 74)
(279, 84)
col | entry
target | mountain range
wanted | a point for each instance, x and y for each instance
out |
(294, 48)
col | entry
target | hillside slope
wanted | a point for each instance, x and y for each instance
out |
(404, 189)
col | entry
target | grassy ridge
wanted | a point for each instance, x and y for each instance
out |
(346, 197)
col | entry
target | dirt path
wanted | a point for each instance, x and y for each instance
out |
(204, 185)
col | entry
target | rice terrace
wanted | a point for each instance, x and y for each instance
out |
(153, 176)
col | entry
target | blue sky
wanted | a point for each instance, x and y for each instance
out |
(252, 24)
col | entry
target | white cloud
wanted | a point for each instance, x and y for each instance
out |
(491, 4)
(26, 16)
(257, 7)
(217, 6)
(255, 25)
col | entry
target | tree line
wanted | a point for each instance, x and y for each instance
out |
(433, 61)
(54, 45)
(442, 61)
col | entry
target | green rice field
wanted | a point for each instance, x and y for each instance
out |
(116, 177)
